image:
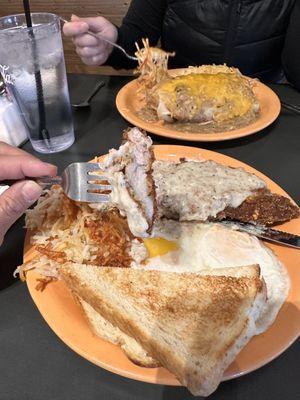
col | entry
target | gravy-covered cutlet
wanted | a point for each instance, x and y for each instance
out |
(208, 191)
(264, 208)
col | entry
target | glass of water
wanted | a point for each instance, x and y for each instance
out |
(33, 67)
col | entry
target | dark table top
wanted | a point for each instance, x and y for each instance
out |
(35, 364)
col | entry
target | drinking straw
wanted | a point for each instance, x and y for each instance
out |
(43, 132)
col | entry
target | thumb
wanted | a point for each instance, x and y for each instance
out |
(14, 201)
(74, 18)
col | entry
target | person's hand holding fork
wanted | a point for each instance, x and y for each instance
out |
(16, 164)
(91, 50)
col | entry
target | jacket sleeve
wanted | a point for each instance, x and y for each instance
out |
(291, 55)
(144, 19)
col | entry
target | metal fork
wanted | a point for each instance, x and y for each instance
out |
(99, 36)
(79, 182)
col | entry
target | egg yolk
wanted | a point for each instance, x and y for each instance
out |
(159, 246)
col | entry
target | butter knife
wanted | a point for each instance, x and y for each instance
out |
(273, 235)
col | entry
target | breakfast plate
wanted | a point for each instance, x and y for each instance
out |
(130, 106)
(66, 319)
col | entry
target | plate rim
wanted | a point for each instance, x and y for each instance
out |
(197, 137)
(58, 330)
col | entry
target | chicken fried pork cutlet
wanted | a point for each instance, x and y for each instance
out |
(200, 191)
(145, 189)
(128, 170)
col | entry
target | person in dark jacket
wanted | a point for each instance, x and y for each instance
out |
(260, 37)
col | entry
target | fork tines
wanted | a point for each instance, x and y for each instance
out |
(93, 188)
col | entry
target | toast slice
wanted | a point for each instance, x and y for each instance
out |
(133, 350)
(111, 333)
(193, 325)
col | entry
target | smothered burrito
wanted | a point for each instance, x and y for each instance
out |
(205, 98)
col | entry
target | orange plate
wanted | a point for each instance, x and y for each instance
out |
(128, 105)
(64, 316)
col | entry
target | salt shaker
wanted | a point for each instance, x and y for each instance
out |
(12, 128)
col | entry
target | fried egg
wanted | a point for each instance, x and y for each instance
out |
(195, 247)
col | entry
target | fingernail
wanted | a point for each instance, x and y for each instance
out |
(31, 191)
(49, 165)
(48, 169)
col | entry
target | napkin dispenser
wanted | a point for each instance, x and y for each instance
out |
(12, 128)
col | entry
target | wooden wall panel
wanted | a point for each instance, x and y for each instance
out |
(114, 10)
